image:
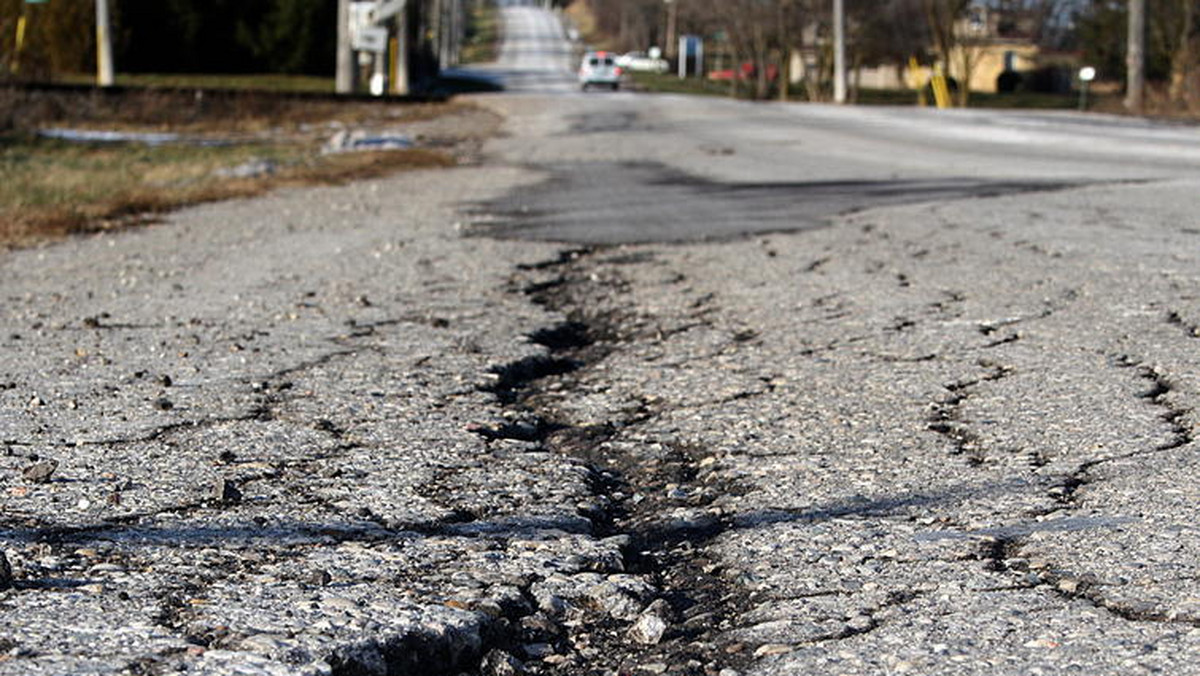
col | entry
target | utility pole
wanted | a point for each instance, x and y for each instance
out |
(1135, 57)
(344, 81)
(456, 24)
(839, 51)
(443, 33)
(400, 50)
(785, 58)
(672, 19)
(104, 60)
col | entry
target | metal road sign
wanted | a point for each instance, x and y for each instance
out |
(364, 36)
(371, 39)
(386, 9)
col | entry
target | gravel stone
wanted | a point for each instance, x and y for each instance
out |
(6, 573)
(40, 472)
(226, 492)
(499, 663)
(648, 629)
(622, 596)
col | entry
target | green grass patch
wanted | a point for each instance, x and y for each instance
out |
(1024, 101)
(667, 83)
(670, 84)
(1009, 101)
(887, 97)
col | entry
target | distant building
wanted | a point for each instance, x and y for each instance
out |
(998, 51)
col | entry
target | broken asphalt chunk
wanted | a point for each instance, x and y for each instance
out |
(499, 663)
(6, 577)
(40, 472)
(226, 492)
(649, 629)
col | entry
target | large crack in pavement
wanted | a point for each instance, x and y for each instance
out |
(841, 451)
(276, 472)
(663, 606)
(747, 360)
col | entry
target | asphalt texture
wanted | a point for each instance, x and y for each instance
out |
(663, 385)
(624, 203)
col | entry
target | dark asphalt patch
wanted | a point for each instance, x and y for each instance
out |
(607, 123)
(621, 203)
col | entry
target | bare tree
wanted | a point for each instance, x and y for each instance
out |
(1183, 62)
(952, 46)
(629, 24)
(761, 33)
(887, 32)
(1174, 36)
(1040, 21)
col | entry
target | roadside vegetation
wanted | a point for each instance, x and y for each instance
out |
(251, 129)
(1029, 51)
(669, 83)
(50, 188)
(309, 84)
(482, 43)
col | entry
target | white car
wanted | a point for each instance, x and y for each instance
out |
(599, 69)
(642, 62)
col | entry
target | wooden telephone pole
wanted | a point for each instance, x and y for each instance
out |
(344, 73)
(1135, 57)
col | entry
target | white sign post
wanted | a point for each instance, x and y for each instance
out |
(1086, 75)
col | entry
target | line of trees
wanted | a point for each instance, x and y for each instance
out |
(298, 36)
(1172, 48)
(766, 32)
(881, 32)
(174, 36)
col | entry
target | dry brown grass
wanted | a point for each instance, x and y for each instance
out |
(51, 189)
(59, 203)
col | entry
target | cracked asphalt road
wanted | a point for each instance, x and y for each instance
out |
(435, 424)
(928, 475)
